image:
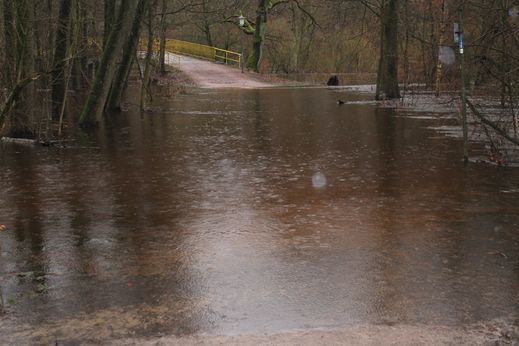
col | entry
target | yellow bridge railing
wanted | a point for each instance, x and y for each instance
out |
(203, 51)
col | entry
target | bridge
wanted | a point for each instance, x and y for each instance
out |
(210, 67)
(203, 52)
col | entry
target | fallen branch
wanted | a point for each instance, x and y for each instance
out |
(490, 123)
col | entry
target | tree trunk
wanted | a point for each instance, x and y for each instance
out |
(441, 38)
(94, 106)
(10, 44)
(40, 42)
(259, 35)
(504, 68)
(50, 24)
(81, 67)
(206, 27)
(382, 57)
(114, 100)
(75, 30)
(406, 50)
(147, 64)
(28, 70)
(387, 83)
(163, 28)
(297, 39)
(60, 53)
(109, 19)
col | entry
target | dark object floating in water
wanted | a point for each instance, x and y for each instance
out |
(333, 81)
(340, 102)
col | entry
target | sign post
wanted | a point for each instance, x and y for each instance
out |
(459, 38)
(242, 24)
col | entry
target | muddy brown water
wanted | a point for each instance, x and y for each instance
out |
(250, 212)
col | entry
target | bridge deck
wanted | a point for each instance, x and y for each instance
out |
(212, 75)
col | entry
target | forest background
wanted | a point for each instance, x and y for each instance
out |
(69, 62)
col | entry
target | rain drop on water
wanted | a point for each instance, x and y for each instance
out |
(319, 180)
(447, 56)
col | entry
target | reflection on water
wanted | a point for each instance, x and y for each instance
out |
(257, 211)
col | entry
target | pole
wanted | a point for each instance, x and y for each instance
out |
(242, 54)
(463, 92)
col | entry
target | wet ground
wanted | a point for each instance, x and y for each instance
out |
(252, 212)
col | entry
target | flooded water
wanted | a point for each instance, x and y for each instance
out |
(251, 212)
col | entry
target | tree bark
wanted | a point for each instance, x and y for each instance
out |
(81, 62)
(259, 35)
(109, 19)
(114, 100)
(441, 38)
(94, 106)
(60, 52)
(10, 44)
(147, 63)
(75, 28)
(163, 28)
(206, 27)
(387, 80)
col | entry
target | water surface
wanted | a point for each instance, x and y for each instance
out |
(254, 211)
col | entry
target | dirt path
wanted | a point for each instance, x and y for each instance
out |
(206, 74)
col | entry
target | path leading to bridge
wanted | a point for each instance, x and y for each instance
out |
(206, 74)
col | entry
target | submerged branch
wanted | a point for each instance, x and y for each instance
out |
(490, 123)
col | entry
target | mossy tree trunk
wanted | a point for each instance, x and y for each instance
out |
(96, 101)
(129, 50)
